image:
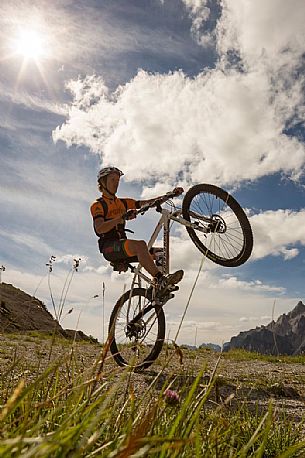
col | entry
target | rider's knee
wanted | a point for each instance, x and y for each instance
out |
(142, 244)
(137, 245)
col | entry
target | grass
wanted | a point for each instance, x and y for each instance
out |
(71, 409)
(243, 355)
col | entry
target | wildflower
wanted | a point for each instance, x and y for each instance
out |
(171, 397)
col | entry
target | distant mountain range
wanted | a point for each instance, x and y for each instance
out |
(286, 336)
(20, 312)
(211, 346)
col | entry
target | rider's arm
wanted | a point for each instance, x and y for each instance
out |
(140, 203)
(101, 226)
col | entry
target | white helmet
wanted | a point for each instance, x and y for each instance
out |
(107, 170)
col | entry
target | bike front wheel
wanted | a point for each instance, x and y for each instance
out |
(220, 228)
(136, 329)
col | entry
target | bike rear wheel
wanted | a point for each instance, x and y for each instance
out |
(228, 240)
(136, 344)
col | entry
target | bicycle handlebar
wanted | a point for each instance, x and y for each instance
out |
(158, 201)
(155, 203)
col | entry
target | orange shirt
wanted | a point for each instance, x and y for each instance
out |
(115, 207)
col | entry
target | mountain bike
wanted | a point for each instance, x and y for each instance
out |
(218, 227)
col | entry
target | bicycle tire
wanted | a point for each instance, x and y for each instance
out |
(225, 252)
(121, 345)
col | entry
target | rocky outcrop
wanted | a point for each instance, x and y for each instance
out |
(20, 312)
(286, 336)
(211, 346)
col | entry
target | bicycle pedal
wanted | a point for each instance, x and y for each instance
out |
(157, 303)
(173, 288)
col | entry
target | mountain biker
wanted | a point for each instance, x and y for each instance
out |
(109, 215)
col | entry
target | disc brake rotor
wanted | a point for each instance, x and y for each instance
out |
(136, 330)
(217, 224)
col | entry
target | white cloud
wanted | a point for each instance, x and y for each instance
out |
(266, 318)
(256, 285)
(199, 12)
(98, 270)
(203, 325)
(222, 126)
(269, 38)
(243, 319)
(275, 233)
(31, 102)
(246, 319)
(36, 244)
(69, 259)
(265, 33)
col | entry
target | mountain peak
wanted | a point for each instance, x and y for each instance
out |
(299, 309)
(285, 336)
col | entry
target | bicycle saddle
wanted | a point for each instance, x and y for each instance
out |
(123, 265)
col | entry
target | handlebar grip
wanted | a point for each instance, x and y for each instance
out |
(129, 213)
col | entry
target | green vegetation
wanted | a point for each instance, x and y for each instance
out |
(239, 354)
(71, 409)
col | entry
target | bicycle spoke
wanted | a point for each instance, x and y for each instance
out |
(224, 237)
(135, 340)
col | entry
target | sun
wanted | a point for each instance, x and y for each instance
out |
(30, 44)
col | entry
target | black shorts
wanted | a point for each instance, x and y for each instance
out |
(117, 250)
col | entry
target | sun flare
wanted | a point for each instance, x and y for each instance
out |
(31, 45)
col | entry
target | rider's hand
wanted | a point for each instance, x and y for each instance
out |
(178, 191)
(130, 214)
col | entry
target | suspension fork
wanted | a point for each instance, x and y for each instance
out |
(142, 312)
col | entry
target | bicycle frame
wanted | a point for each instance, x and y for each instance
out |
(164, 222)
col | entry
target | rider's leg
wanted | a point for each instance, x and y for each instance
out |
(139, 248)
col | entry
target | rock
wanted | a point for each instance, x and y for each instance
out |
(211, 346)
(286, 336)
(20, 312)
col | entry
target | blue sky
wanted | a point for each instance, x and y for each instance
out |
(174, 92)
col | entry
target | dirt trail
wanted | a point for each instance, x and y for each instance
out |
(253, 382)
